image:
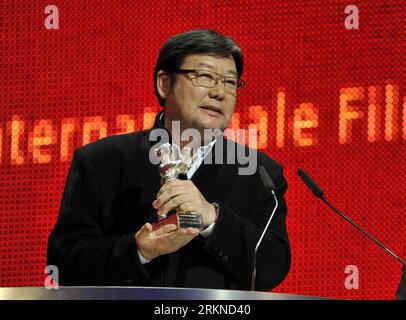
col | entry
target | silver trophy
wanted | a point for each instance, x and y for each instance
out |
(172, 165)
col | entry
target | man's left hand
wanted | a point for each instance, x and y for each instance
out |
(184, 196)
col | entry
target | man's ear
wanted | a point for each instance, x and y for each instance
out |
(163, 84)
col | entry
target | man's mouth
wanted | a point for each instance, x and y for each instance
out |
(212, 108)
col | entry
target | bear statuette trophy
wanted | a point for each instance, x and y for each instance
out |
(172, 165)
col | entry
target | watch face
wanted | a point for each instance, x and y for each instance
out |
(216, 206)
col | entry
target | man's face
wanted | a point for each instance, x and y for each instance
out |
(189, 103)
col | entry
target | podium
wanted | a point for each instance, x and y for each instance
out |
(140, 293)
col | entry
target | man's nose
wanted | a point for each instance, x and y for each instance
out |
(218, 91)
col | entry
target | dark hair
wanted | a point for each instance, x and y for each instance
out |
(177, 48)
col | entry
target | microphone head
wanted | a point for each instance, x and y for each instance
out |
(266, 179)
(310, 183)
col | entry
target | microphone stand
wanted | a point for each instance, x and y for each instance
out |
(254, 264)
(315, 189)
(362, 230)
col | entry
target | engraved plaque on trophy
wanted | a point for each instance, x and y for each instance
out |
(172, 165)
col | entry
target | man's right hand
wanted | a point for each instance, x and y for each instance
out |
(167, 239)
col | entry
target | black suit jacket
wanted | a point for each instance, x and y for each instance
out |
(107, 198)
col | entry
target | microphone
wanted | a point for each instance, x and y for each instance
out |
(319, 194)
(310, 183)
(269, 185)
(266, 179)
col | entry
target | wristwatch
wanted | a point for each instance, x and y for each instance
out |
(217, 207)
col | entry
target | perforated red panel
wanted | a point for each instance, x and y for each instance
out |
(323, 97)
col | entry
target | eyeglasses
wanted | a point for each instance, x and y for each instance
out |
(209, 79)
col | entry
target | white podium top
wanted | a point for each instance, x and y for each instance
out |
(139, 293)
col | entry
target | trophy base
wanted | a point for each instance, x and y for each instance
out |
(181, 220)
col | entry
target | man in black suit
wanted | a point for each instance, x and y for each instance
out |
(103, 234)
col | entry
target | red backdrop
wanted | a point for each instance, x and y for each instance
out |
(325, 98)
